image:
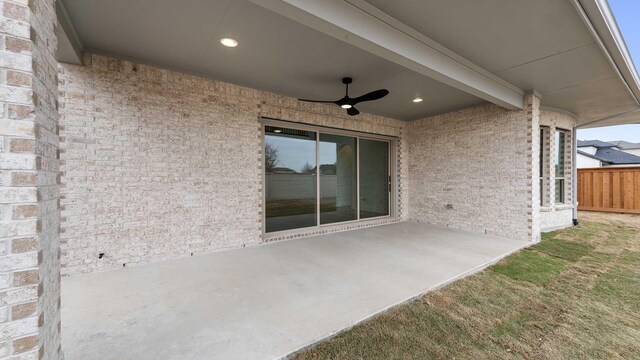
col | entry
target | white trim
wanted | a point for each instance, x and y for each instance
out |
(366, 27)
(574, 172)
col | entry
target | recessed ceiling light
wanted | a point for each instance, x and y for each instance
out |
(277, 131)
(228, 42)
(417, 100)
(346, 106)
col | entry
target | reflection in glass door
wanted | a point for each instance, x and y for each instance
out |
(314, 178)
(290, 179)
(338, 179)
(374, 178)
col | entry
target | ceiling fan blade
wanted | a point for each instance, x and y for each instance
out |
(353, 111)
(318, 101)
(374, 95)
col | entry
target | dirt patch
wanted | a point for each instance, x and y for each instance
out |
(610, 218)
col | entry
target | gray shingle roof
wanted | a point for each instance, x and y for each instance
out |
(595, 143)
(625, 144)
(613, 156)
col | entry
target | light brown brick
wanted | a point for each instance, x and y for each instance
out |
(24, 179)
(19, 112)
(28, 277)
(22, 311)
(23, 245)
(24, 211)
(15, 11)
(22, 146)
(17, 78)
(25, 344)
(17, 45)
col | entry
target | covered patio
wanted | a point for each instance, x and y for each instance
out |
(148, 147)
(264, 302)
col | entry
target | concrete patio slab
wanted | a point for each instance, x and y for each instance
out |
(267, 301)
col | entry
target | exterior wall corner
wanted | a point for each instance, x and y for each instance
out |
(29, 183)
(532, 108)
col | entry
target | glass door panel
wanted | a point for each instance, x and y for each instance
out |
(338, 178)
(290, 179)
(374, 178)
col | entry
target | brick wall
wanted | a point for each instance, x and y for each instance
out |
(478, 161)
(158, 164)
(29, 214)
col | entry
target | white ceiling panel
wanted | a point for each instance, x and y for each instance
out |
(274, 53)
(582, 65)
(495, 34)
(435, 97)
(591, 101)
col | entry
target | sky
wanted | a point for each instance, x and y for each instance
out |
(295, 153)
(627, 13)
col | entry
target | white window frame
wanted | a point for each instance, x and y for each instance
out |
(560, 152)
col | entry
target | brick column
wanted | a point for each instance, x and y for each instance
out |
(29, 185)
(532, 108)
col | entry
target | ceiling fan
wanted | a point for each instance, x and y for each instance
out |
(348, 103)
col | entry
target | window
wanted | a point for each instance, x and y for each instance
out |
(559, 160)
(312, 177)
(542, 167)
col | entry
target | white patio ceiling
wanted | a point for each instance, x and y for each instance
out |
(493, 50)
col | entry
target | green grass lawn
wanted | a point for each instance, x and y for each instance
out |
(575, 295)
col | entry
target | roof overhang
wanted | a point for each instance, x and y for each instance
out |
(363, 25)
(387, 47)
(600, 20)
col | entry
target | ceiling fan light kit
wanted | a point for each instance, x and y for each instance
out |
(349, 103)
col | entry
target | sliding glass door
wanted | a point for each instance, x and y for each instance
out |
(313, 177)
(338, 179)
(290, 179)
(374, 178)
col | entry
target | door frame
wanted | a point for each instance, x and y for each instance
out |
(392, 170)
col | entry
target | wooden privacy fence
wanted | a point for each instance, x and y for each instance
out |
(609, 189)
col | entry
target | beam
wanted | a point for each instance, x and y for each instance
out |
(366, 27)
(69, 46)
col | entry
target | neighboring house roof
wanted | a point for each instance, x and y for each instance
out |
(595, 143)
(326, 169)
(282, 170)
(612, 156)
(625, 145)
(591, 156)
